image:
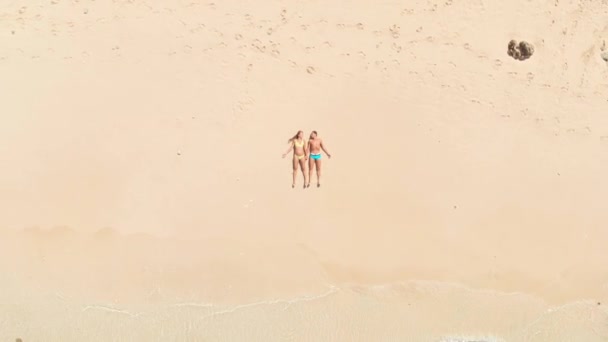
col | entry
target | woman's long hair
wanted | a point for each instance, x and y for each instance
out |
(295, 137)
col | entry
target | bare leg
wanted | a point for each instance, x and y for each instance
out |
(311, 164)
(295, 171)
(318, 162)
(304, 173)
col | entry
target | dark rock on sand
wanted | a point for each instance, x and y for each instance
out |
(512, 47)
(520, 51)
(526, 49)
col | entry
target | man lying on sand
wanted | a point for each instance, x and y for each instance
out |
(315, 145)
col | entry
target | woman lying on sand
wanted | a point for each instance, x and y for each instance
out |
(315, 145)
(300, 156)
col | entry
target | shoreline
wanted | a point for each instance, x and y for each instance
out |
(430, 311)
(228, 271)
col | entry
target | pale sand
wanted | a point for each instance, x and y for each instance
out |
(465, 200)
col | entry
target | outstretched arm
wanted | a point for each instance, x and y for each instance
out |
(290, 148)
(324, 150)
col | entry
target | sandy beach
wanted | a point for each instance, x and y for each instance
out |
(144, 197)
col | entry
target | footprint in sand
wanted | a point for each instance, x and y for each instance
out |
(394, 30)
(257, 45)
(311, 70)
(360, 26)
(197, 29)
(530, 76)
